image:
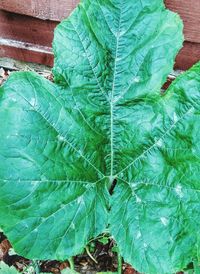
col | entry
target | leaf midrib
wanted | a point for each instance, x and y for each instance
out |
(112, 100)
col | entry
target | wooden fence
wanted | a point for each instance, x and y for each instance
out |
(26, 28)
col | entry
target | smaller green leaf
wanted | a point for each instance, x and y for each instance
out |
(104, 240)
(68, 271)
(115, 249)
(91, 247)
(5, 269)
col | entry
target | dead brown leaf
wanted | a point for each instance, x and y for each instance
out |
(4, 248)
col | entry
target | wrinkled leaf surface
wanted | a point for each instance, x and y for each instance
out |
(63, 144)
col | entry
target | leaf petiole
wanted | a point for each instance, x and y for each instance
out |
(90, 255)
(71, 263)
(119, 259)
(36, 267)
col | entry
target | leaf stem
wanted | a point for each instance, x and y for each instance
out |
(71, 263)
(90, 255)
(119, 260)
(36, 267)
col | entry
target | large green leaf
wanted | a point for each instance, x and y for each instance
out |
(63, 144)
(158, 193)
(53, 198)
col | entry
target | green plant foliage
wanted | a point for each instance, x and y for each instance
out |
(5, 269)
(63, 144)
(104, 240)
(196, 265)
(68, 271)
(107, 273)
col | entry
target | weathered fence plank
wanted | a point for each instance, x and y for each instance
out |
(43, 9)
(189, 10)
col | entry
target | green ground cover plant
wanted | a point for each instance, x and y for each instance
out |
(102, 148)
